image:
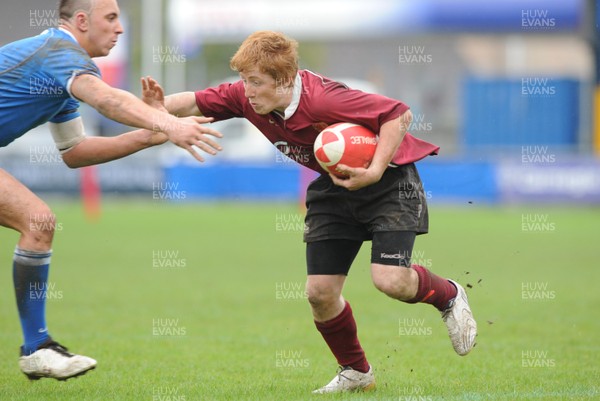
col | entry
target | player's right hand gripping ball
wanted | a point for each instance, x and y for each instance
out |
(345, 143)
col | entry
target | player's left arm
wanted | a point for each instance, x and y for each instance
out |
(391, 135)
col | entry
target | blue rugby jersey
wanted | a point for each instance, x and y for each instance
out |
(35, 78)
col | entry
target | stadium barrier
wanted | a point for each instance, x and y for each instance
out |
(544, 177)
(445, 181)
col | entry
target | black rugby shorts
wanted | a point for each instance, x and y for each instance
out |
(396, 203)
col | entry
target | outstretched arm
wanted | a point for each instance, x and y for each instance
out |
(127, 109)
(78, 150)
(87, 151)
(182, 104)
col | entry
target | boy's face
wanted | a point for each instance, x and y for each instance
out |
(264, 93)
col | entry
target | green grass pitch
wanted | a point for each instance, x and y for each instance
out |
(205, 302)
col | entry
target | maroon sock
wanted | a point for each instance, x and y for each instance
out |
(340, 335)
(433, 289)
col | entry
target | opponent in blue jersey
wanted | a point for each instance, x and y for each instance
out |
(41, 80)
(36, 74)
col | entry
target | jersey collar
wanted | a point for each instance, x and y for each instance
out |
(291, 109)
(68, 33)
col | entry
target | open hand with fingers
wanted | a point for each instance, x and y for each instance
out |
(188, 132)
(185, 132)
(153, 94)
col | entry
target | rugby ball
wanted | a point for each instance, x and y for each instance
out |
(345, 143)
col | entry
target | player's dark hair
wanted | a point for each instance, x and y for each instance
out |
(68, 8)
(272, 53)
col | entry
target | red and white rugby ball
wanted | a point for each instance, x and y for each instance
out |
(345, 143)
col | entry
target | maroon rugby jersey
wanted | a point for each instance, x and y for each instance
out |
(320, 102)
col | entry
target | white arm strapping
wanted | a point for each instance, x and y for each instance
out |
(67, 134)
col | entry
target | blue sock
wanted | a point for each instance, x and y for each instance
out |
(30, 278)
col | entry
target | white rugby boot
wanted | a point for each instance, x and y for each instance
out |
(53, 360)
(459, 320)
(348, 380)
